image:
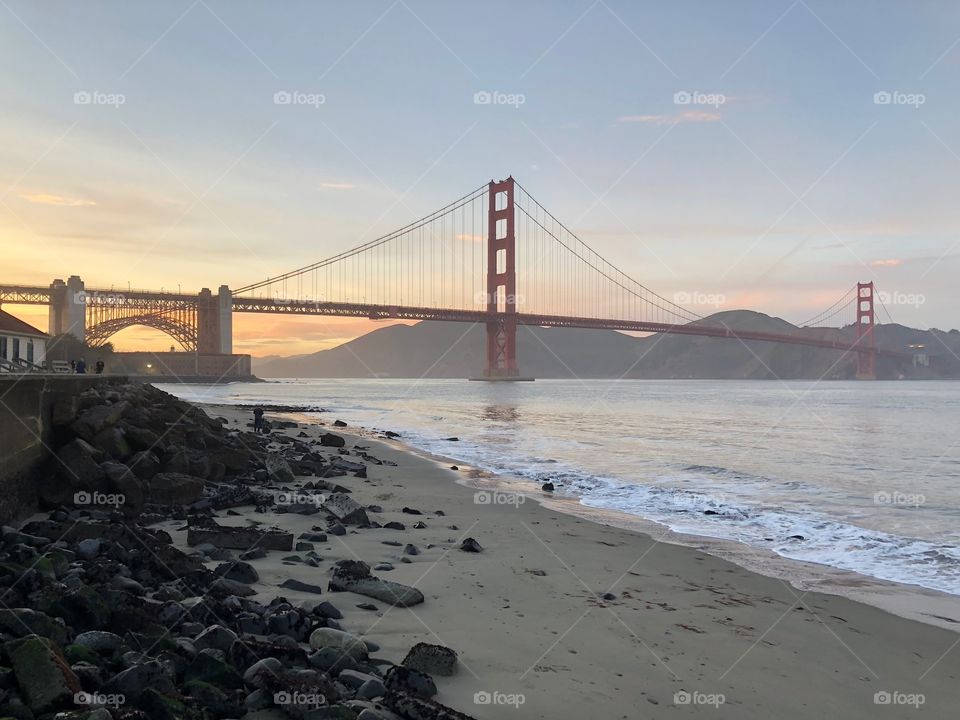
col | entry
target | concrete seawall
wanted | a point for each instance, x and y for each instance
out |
(26, 430)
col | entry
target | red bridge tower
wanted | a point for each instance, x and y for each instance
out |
(866, 357)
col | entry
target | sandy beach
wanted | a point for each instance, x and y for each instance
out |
(561, 617)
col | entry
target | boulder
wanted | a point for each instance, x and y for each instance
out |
(169, 488)
(332, 440)
(343, 642)
(76, 469)
(97, 418)
(354, 576)
(43, 675)
(144, 464)
(408, 680)
(431, 659)
(278, 469)
(345, 509)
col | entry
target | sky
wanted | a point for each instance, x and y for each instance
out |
(765, 153)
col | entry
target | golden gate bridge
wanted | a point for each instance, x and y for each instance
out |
(495, 256)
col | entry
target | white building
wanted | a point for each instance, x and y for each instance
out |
(20, 343)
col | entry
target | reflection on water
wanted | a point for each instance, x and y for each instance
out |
(500, 413)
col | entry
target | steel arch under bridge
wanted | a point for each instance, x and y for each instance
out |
(176, 318)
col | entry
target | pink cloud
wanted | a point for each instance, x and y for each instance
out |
(891, 262)
(684, 117)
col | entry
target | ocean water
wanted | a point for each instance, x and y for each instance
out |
(858, 476)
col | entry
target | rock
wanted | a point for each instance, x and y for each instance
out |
(344, 642)
(210, 669)
(345, 509)
(113, 443)
(20, 622)
(88, 549)
(292, 584)
(354, 576)
(471, 545)
(254, 675)
(404, 679)
(337, 529)
(547, 487)
(123, 482)
(394, 525)
(431, 659)
(216, 637)
(411, 511)
(332, 660)
(372, 688)
(43, 675)
(238, 571)
(452, 439)
(410, 549)
(339, 423)
(366, 606)
(278, 469)
(144, 464)
(96, 419)
(170, 488)
(100, 641)
(237, 538)
(332, 440)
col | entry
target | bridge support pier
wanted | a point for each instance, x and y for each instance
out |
(501, 282)
(866, 359)
(208, 322)
(225, 310)
(68, 310)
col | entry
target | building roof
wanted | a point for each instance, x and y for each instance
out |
(10, 325)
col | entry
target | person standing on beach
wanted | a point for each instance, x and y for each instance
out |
(258, 419)
(81, 367)
(99, 367)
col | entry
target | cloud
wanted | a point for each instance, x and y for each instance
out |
(891, 262)
(337, 185)
(684, 117)
(471, 238)
(58, 200)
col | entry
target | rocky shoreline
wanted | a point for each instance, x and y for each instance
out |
(104, 616)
